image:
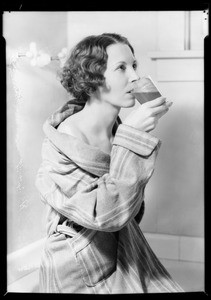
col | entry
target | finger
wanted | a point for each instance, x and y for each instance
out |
(159, 109)
(168, 103)
(156, 102)
(161, 114)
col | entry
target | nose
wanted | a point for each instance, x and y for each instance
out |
(134, 76)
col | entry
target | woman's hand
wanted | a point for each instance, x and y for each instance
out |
(147, 115)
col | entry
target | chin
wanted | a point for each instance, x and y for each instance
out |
(129, 103)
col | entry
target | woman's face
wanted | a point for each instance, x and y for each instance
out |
(120, 76)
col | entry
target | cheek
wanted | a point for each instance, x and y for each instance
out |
(115, 84)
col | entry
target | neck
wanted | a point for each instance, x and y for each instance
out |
(100, 116)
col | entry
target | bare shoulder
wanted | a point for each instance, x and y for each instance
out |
(70, 127)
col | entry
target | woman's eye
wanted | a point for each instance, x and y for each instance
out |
(134, 66)
(122, 67)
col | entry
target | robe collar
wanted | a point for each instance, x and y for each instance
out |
(89, 158)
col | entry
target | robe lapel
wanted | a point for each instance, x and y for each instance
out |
(88, 157)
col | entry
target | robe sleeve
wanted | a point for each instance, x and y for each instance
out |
(109, 202)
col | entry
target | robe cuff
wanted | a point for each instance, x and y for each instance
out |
(135, 140)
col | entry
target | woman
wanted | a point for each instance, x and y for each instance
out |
(93, 176)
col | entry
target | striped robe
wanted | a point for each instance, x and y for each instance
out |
(94, 243)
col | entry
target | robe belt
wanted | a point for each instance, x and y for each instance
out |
(69, 228)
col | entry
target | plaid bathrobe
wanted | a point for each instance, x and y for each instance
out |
(94, 202)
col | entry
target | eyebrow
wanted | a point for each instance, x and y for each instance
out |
(124, 62)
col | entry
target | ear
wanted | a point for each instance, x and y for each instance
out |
(105, 88)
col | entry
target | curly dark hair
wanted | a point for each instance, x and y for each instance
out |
(83, 71)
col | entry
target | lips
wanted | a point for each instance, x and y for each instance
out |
(131, 88)
(130, 91)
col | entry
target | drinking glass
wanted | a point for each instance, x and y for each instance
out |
(145, 90)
